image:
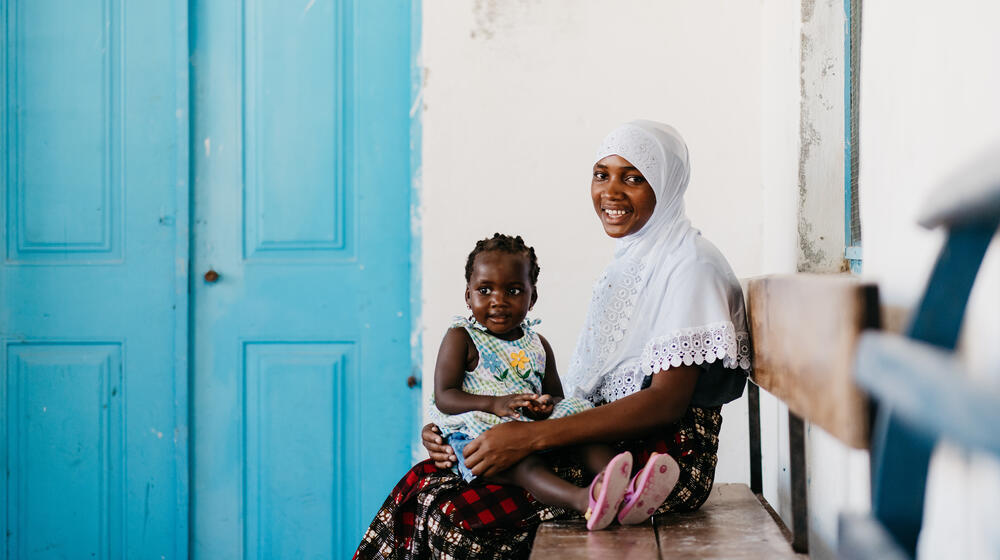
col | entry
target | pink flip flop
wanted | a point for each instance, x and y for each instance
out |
(601, 510)
(649, 489)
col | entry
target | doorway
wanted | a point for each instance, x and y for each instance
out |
(206, 284)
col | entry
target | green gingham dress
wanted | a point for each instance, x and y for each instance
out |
(505, 367)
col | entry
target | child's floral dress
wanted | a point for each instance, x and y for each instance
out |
(505, 367)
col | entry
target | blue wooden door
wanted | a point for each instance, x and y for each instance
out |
(93, 279)
(301, 414)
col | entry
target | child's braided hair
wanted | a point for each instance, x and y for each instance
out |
(504, 244)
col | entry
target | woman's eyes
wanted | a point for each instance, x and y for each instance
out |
(631, 179)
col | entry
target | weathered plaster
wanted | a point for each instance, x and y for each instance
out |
(485, 17)
(811, 255)
(820, 216)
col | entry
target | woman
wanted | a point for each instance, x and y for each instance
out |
(664, 346)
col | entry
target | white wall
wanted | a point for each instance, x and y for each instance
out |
(929, 89)
(517, 96)
(780, 37)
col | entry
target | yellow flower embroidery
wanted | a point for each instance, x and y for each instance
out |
(518, 359)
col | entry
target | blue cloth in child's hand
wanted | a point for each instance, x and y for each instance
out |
(458, 441)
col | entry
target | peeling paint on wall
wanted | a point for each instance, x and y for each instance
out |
(491, 17)
(808, 8)
(820, 219)
(485, 16)
(811, 256)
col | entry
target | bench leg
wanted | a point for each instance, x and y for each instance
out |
(753, 405)
(797, 467)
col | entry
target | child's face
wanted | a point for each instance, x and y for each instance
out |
(499, 290)
(623, 199)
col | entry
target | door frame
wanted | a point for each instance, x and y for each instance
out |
(416, 227)
(182, 270)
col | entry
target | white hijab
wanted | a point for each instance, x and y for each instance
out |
(668, 297)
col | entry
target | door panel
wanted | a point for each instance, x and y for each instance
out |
(301, 414)
(293, 72)
(295, 408)
(66, 442)
(93, 280)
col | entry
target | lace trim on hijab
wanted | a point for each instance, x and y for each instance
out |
(635, 142)
(698, 345)
(609, 314)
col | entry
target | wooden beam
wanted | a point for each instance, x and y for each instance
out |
(804, 329)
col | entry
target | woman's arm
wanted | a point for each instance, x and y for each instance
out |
(449, 373)
(661, 404)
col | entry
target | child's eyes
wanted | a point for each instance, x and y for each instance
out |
(510, 291)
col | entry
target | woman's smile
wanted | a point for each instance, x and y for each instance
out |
(615, 215)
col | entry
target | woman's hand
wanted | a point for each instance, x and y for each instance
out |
(510, 405)
(442, 455)
(499, 448)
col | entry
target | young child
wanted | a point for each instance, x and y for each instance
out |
(492, 368)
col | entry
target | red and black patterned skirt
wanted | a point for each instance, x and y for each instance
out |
(433, 513)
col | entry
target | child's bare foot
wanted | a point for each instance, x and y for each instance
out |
(582, 501)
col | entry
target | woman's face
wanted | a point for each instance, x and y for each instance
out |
(623, 199)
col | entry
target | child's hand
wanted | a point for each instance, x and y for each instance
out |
(508, 405)
(540, 408)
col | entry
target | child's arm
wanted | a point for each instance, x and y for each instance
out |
(550, 383)
(552, 391)
(453, 359)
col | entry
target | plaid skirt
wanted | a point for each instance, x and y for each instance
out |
(433, 513)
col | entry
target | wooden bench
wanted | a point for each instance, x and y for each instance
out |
(805, 330)
(922, 392)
